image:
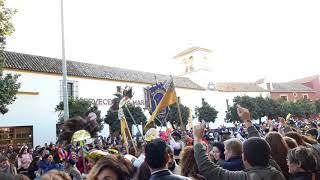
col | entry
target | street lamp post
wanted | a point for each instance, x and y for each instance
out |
(64, 70)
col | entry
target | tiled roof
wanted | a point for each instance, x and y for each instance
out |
(190, 50)
(28, 62)
(290, 87)
(239, 87)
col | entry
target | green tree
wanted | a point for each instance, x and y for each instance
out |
(79, 107)
(8, 83)
(173, 115)
(206, 112)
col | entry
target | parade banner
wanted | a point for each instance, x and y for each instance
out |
(170, 97)
(156, 94)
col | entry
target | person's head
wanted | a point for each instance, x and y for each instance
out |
(296, 137)
(111, 168)
(23, 150)
(68, 163)
(217, 152)
(176, 136)
(232, 147)
(256, 152)
(156, 154)
(171, 160)
(55, 175)
(301, 159)
(4, 162)
(188, 163)
(48, 157)
(309, 140)
(290, 142)
(312, 133)
(74, 156)
(30, 151)
(279, 148)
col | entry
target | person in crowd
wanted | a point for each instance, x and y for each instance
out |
(137, 163)
(6, 176)
(54, 151)
(47, 164)
(10, 152)
(24, 160)
(172, 164)
(313, 133)
(6, 167)
(157, 160)
(296, 136)
(55, 175)
(188, 164)
(217, 152)
(109, 167)
(143, 172)
(232, 152)
(71, 169)
(291, 143)
(279, 151)
(256, 156)
(93, 157)
(302, 164)
(176, 145)
(33, 168)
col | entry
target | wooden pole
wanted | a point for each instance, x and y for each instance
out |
(180, 117)
(132, 140)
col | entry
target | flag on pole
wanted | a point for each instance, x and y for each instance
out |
(169, 98)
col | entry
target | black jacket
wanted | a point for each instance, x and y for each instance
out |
(303, 176)
(166, 175)
(233, 164)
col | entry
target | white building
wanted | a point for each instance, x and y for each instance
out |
(32, 117)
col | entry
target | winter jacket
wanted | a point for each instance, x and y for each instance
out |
(233, 164)
(304, 176)
(45, 166)
(212, 171)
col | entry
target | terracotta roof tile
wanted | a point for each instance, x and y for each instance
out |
(29, 62)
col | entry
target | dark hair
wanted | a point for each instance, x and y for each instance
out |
(279, 150)
(144, 172)
(313, 132)
(220, 147)
(155, 153)
(113, 163)
(3, 158)
(290, 142)
(304, 156)
(256, 151)
(309, 140)
(296, 137)
(22, 150)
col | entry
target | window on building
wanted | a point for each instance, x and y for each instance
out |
(305, 96)
(72, 89)
(284, 97)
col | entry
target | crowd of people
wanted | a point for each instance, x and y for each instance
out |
(275, 150)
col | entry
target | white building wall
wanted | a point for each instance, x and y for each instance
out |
(39, 110)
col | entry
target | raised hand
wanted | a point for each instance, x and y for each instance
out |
(244, 115)
(198, 132)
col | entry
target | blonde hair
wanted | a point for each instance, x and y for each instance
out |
(55, 175)
(234, 145)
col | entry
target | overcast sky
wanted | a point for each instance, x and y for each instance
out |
(279, 40)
